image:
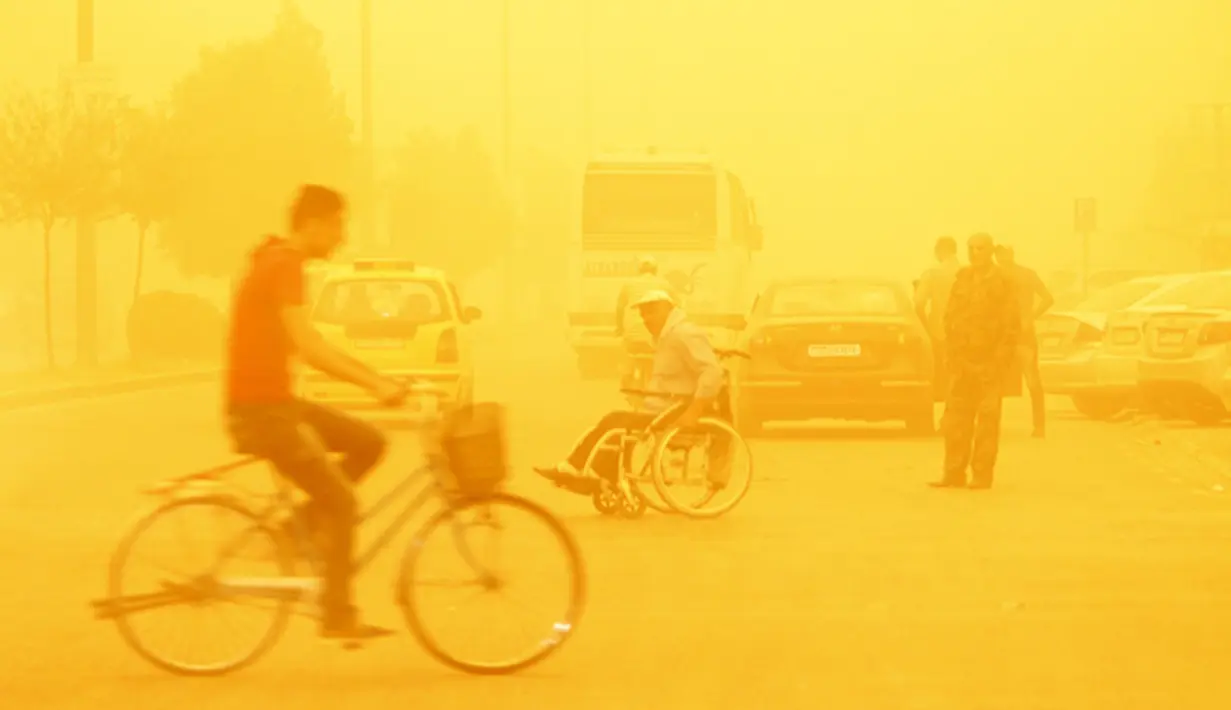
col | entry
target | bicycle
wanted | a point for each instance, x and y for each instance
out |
(463, 478)
(630, 498)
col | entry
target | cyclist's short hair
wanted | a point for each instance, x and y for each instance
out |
(315, 202)
(945, 246)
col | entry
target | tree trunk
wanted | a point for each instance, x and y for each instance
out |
(48, 330)
(141, 231)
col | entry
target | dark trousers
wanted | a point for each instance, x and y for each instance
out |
(607, 462)
(297, 438)
(971, 425)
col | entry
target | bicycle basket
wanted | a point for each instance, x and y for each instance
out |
(474, 445)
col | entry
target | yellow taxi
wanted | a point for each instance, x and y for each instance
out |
(403, 320)
(1185, 370)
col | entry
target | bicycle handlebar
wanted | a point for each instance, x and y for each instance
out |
(724, 354)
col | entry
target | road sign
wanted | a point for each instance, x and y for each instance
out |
(1085, 215)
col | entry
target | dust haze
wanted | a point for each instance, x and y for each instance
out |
(861, 132)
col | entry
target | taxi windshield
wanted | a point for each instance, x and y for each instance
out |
(358, 301)
(837, 298)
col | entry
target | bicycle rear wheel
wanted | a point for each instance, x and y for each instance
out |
(250, 545)
(687, 464)
(456, 537)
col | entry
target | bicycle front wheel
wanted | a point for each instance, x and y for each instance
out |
(704, 471)
(465, 557)
(190, 578)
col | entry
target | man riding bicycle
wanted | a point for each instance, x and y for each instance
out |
(270, 325)
(685, 365)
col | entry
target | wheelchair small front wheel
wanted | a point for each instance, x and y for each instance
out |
(606, 500)
(703, 471)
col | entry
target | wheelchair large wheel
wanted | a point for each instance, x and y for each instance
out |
(696, 475)
(639, 478)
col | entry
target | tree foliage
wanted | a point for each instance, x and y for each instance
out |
(447, 207)
(251, 122)
(149, 181)
(148, 178)
(59, 154)
(59, 159)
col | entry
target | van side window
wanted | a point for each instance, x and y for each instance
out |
(739, 210)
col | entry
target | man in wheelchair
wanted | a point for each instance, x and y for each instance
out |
(685, 368)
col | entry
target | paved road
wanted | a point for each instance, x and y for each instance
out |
(1094, 576)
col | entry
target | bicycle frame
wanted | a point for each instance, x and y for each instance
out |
(426, 472)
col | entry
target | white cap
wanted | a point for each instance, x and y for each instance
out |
(652, 296)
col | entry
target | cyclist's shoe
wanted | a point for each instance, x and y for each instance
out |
(349, 628)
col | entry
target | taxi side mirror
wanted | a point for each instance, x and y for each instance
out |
(471, 314)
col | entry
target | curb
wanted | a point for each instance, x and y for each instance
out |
(18, 400)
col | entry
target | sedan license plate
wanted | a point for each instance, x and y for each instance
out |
(1170, 337)
(1052, 341)
(852, 350)
(384, 344)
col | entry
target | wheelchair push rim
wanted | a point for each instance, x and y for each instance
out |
(711, 503)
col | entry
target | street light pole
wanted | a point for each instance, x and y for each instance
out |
(506, 90)
(367, 215)
(587, 98)
(512, 267)
(87, 255)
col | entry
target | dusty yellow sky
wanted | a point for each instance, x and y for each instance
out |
(887, 120)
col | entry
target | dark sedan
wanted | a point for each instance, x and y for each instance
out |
(849, 348)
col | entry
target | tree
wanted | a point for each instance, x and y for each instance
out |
(248, 125)
(447, 207)
(148, 178)
(59, 153)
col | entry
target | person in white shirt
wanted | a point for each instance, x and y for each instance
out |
(685, 364)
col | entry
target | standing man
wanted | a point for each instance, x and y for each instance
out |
(931, 297)
(1034, 299)
(982, 323)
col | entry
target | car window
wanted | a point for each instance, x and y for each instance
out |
(1121, 295)
(362, 301)
(1202, 292)
(838, 298)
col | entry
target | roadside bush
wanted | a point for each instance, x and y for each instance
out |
(174, 326)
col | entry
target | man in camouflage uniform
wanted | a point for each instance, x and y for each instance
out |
(982, 327)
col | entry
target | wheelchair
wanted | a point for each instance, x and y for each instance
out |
(666, 455)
